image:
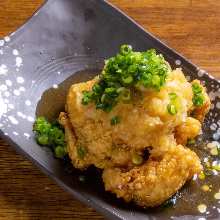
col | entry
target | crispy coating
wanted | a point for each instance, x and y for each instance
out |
(119, 155)
(155, 181)
(187, 130)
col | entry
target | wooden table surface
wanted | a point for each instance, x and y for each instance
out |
(192, 27)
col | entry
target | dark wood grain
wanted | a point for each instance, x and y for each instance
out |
(189, 26)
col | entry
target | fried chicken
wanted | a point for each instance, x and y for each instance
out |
(109, 145)
(145, 125)
(156, 180)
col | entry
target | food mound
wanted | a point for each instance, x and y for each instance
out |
(133, 121)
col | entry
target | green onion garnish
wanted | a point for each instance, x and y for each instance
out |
(198, 97)
(115, 120)
(43, 139)
(171, 109)
(60, 152)
(137, 159)
(172, 96)
(191, 141)
(173, 106)
(50, 135)
(129, 70)
(125, 94)
(127, 80)
(81, 151)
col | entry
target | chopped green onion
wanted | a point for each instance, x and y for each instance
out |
(50, 135)
(124, 94)
(173, 96)
(112, 92)
(60, 152)
(191, 141)
(43, 140)
(197, 89)
(127, 80)
(42, 126)
(156, 81)
(87, 97)
(125, 49)
(104, 97)
(57, 135)
(97, 89)
(171, 109)
(81, 151)
(198, 100)
(137, 159)
(174, 104)
(129, 69)
(115, 120)
(198, 97)
(202, 175)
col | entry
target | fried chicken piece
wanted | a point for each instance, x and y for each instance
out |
(187, 130)
(144, 123)
(107, 146)
(155, 181)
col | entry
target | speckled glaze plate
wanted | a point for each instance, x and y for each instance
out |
(66, 41)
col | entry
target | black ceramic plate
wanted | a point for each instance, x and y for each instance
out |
(65, 42)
